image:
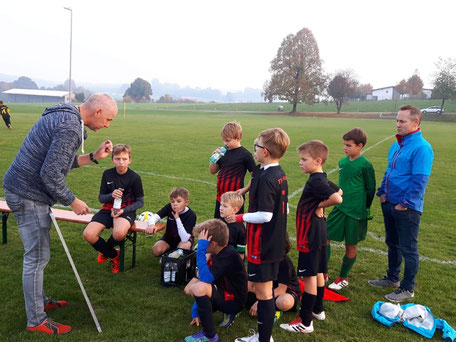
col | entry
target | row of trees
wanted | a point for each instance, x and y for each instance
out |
(297, 77)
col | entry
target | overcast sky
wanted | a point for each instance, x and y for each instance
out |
(221, 44)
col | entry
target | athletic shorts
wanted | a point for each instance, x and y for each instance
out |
(260, 273)
(219, 303)
(104, 217)
(313, 262)
(342, 227)
(173, 242)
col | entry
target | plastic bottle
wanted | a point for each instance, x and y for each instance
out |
(174, 269)
(217, 155)
(167, 273)
(117, 203)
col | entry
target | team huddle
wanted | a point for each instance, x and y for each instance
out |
(271, 283)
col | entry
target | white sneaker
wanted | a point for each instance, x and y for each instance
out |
(338, 284)
(255, 337)
(297, 326)
(319, 316)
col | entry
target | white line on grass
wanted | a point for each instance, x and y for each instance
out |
(297, 192)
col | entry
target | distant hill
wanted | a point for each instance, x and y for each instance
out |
(159, 89)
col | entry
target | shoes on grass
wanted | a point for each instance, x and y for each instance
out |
(384, 282)
(319, 316)
(227, 320)
(200, 337)
(55, 304)
(101, 258)
(255, 337)
(338, 284)
(298, 327)
(115, 263)
(51, 328)
(400, 295)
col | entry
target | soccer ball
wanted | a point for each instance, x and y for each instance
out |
(146, 216)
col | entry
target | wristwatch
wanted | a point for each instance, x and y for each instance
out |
(92, 159)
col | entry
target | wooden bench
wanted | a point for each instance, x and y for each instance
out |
(70, 216)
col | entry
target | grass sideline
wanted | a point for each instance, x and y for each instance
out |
(171, 148)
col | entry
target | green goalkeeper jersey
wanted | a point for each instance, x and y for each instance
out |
(357, 181)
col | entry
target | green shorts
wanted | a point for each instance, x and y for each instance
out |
(342, 227)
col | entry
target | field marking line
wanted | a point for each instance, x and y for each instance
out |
(378, 251)
(297, 192)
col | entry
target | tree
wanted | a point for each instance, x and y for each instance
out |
(362, 91)
(139, 90)
(79, 97)
(445, 80)
(296, 71)
(402, 88)
(414, 84)
(341, 87)
(24, 82)
(4, 86)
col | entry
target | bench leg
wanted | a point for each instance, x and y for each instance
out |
(133, 257)
(5, 227)
(122, 246)
(122, 256)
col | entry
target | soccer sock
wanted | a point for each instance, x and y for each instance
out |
(102, 246)
(266, 314)
(307, 305)
(251, 299)
(347, 264)
(318, 306)
(205, 315)
(328, 252)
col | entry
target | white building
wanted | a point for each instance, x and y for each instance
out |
(35, 96)
(386, 93)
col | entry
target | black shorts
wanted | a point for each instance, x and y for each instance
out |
(309, 264)
(104, 217)
(260, 273)
(173, 242)
(220, 303)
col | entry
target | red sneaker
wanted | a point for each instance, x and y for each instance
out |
(51, 328)
(101, 258)
(115, 263)
(55, 304)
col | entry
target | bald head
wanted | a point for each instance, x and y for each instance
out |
(98, 111)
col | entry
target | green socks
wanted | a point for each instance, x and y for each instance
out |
(347, 264)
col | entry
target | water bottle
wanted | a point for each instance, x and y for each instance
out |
(174, 269)
(180, 252)
(167, 273)
(117, 203)
(217, 155)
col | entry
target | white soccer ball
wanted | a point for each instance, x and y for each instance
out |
(146, 216)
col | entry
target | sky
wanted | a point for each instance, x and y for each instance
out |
(221, 44)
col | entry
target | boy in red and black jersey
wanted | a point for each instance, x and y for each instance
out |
(266, 223)
(222, 285)
(312, 234)
(118, 182)
(231, 167)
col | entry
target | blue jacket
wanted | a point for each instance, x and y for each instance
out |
(46, 156)
(409, 167)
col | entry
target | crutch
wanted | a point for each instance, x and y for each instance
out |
(89, 304)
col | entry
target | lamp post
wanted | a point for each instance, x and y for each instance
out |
(71, 45)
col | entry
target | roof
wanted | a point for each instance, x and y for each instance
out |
(383, 88)
(36, 92)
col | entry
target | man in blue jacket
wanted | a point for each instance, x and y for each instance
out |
(36, 180)
(401, 197)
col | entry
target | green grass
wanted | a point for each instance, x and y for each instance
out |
(171, 148)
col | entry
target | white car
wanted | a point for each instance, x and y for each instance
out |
(433, 110)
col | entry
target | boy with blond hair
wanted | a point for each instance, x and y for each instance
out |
(118, 182)
(348, 220)
(312, 234)
(231, 167)
(266, 225)
(230, 203)
(179, 225)
(221, 286)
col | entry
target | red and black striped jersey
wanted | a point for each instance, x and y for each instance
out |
(317, 189)
(130, 181)
(232, 169)
(269, 193)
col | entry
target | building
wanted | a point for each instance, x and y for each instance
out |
(386, 93)
(35, 96)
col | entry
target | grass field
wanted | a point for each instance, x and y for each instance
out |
(171, 148)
